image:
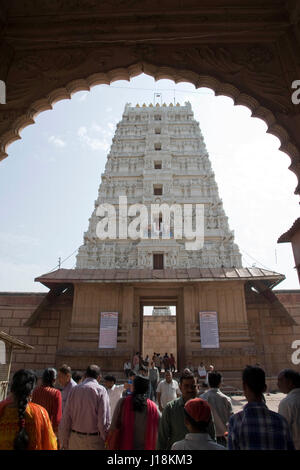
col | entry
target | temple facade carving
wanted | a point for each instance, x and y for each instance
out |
(172, 167)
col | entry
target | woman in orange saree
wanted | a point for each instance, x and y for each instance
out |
(24, 425)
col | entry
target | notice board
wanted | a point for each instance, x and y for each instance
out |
(209, 330)
(108, 330)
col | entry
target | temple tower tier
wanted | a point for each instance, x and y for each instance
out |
(158, 157)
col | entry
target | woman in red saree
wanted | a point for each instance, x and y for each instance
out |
(24, 425)
(49, 397)
(135, 421)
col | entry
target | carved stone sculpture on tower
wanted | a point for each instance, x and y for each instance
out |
(172, 166)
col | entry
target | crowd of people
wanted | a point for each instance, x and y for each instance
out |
(73, 412)
(166, 362)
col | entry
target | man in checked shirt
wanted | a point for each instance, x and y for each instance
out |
(256, 427)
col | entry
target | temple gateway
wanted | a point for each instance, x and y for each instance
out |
(226, 314)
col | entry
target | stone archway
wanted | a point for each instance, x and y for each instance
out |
(248, 51)
(199, 80)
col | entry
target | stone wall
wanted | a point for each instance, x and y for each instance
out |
(15, 310)
(291, 301)
(159, 335)
(271, 332)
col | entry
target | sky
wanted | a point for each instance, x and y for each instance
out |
(50, 180)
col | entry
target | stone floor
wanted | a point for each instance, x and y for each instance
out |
(272, 400)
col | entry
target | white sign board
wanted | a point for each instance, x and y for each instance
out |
(108, 330)
(209, 331)
(2, 353)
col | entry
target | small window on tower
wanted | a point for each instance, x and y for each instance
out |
(158, 261)
(160, 222)
(157, 117)
(157, 190)
(157, 146)
(157, 165)
(157, 130)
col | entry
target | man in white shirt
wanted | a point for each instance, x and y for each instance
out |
(167, 390)
(289, 407)
(114, 391)
(220, 404)
(64, 377)
(136, 362)
(127, 368)
(202, 372)
(86, 418)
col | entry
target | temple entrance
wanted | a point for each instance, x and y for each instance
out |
(159, 332)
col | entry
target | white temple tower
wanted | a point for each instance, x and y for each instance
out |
(158, 156)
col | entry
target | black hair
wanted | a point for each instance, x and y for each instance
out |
(186, 375)
(65, 369)
(110, 378)
(214, 379)
(49, 377)
(76, 376)
(23, 382)
(131, 373)
(201, 426)
(93, 371)
(140, 389)
(292, 375)
(143, 369)
(255, 378)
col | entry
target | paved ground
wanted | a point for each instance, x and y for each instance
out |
(272, 400)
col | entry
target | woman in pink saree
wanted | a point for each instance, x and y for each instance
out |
(135, 421)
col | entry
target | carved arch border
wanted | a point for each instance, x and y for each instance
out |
(157, 72)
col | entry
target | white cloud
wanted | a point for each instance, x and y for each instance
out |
(94, 142)
(56, 141)
(104, 131)
(18, 239)
(95, 127)
(82, 131)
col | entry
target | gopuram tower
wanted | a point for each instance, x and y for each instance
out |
(226, 314)
(158, 156)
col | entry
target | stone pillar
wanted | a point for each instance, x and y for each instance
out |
(181, 332)
(293, 236)
(128, 320)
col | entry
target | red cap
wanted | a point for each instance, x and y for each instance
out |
(198, 409)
